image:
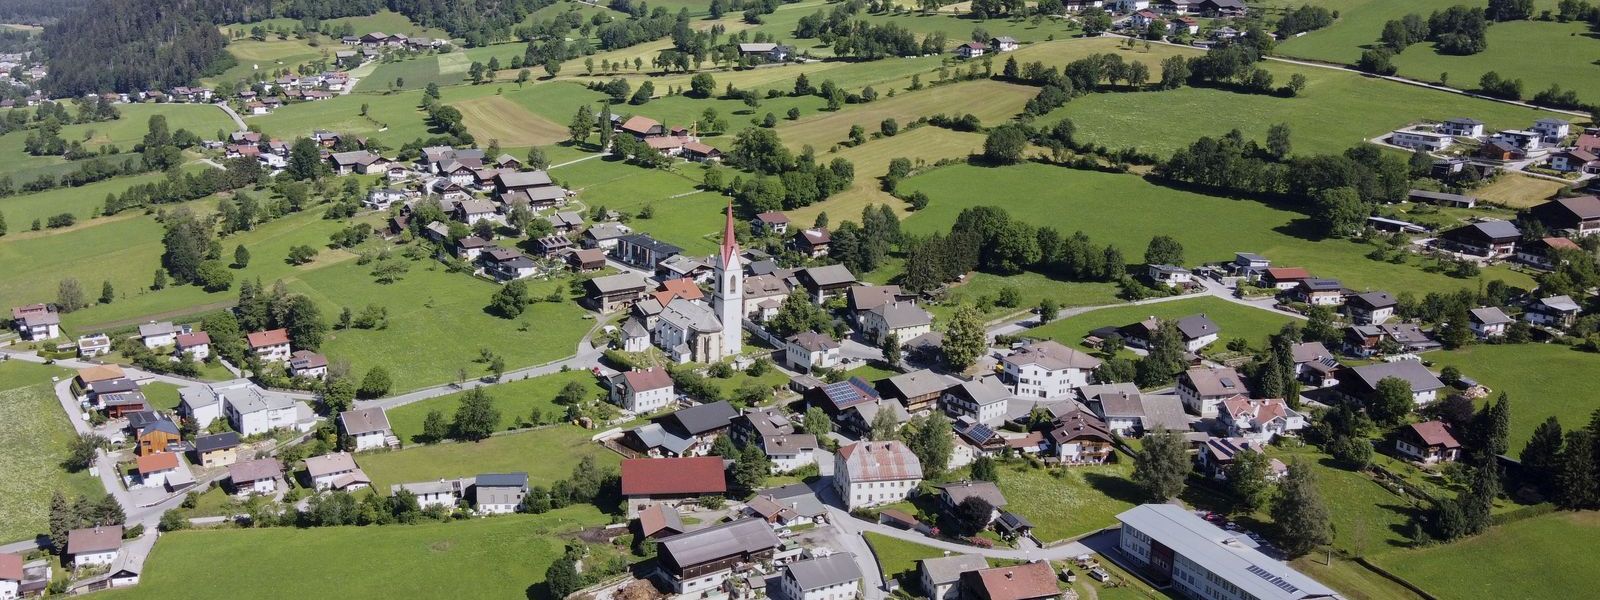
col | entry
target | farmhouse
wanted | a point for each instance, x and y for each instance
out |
(873, 473)
(971, 50)
(613, 292)
(904, 320)
(826, 282)
(1555, 311)
(1259, 420)
(808, 350)
(1546, 252)
(643, 127)
(1003, 43)
(1488, 238)
(671, 480)
(1027, 581)
(1174, 546)
(918, 391)
(1077, 437)
(1047, 369)
(1320, 292)
(1428, 442)
(770, 223)
(336, 471)
(1361, 382)
(499, 493)
(1577, 217)
(812, 242)
(1198, 331)
(367, 428)
(700, 561)
(642, 391)
(789, 452)
(1285, 278)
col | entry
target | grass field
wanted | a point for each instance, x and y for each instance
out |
(515, 399)
(546, 455)
(1127, 211)
(922, 145)
(270, 55)
(438, 323)
(1236, 321)
(82, 202)
(898, 558)
(427, 560)
(496, 118)
(34, 446)
(1551, 556)
(1352, 580)
(203, 120)
(1079, 501)
(1542, 380)
(1518, 191)
(1335, 111)
(1032, 288)
(991, 101)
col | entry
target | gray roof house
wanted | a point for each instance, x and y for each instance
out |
(940, 575)
(833, 572)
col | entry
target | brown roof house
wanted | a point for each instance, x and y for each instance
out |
(336, 471)
(271, 345)
(1428, 442)
(1028, 581)
(657, 480)
(1202, 389)
(259, 476)
(700, 561)
(367, 428)
(93, 546)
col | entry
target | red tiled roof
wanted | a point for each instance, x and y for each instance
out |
(198, 338)
(10, 567)
(640, 125)
(880, 461)
(1435, 433)
(675, 476)
(1288, 273)
(1028, 580)
(678, 288)
(262, 339)
(157, 461)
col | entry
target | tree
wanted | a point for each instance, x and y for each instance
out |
(562, 578)
(301, 254)
(1164, 357)
(816, 422)
(1162, 465)
(1300, 513)
(375, 384)
(965, 338)
(1247, 480)
(64, 518)
(1339, 212)
(107, 293)
(241, 257)
(82, 451)
(214, 276)
(1392, 402)
(552, 68)
(434, 427)
(1005, 144)
(511, 299)
(1541, 457)
(892, 351)
(160, 281)
(985, 469)
(582, 124)
(1048, 309)
(70, 296)
(723, 446)
(1163, 250)
(305, 160)
(751, 470)
(884, 427)
(2, 224)
(972, 515)
(702, 85)
(338, 394)
(931, 439)
(1577, 483)
(476, 417)
(1278, 144)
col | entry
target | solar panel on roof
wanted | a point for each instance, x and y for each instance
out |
(1273, 579)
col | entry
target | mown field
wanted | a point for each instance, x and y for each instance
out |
(515, 399)
(34, 445)
(1066, 503)
(546, 455)
(1235, 321)
(1127, 211)
(1518, 191)
(1543, 380)
(427, 560)
(1552, 556)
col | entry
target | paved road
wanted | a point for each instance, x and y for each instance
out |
(237, 120)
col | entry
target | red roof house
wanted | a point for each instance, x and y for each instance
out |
(687, 477)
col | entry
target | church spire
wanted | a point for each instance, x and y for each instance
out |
(730, 243)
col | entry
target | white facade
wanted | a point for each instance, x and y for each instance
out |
(86, 559)
(990, 413)
(255, 419)
(260, 486)
(883, 473)
(371, 440)
(728, 300)
(841, 590)
(1034, 380)
(273, 353)
(1426, 140)
(873, 493)
(8, 588)
(799, 357)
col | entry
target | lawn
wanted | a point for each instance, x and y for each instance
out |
(1518, 191)
(923, 146)
(1552, 556)
(438, 323)
(162, 395)
(898, 558)
(82, 202)
(991, 101)
(34, 445)
(1542, 380)
(1128, 210)
(1236, 321)
(515, 399)
(269, 55)
(982, 289)
(546, 455)
(426, 560)
(1068, 502)
(1350, 579)
(202, 120)
(496, 118)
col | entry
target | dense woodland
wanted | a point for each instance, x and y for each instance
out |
(38, 12)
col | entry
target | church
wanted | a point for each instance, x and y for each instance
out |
(679, 321)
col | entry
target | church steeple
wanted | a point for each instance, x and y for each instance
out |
(730, 243)
(729, 297)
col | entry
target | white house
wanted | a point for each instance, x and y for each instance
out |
(1488, 322)
(789, 452)
(831, 577)
(1428, 442)
(10, 576)
(336, 471)
(308, 364)
(499, 493)
(258, 476)
(1362, 382)
(196, 344)
(253, 411)
(1259, 419)
(1472, 128)
(809, 350)
(156, 335)
(93, 546)
(984, 400)
(445, 493)
(904, 319)
(36, 322)
(1169, 275)
(642, 391)
(1202, 389)
(1417, 139)
(271, 345)
(155, 467)
(875, 473)
(368, 428)
(381, 198)
(941, 577)
(1047, 369)
(1552, 131)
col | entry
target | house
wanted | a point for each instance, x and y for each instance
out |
(1172, 545)
(764, 295)
(118, 397)
(1472, 128)
(1259, 419)
(1418, 139)
(1217, 453)
(587, 260)
(984, 400)
(470, 248)
(444, 493)
(971, 50)
(90, 346)
(473, 211)
(643, 127)
(1361, 382)
(1489, 322)
(154, 468)
(789, 452)
(1320, 292)
(767, 51)
(270, 346)
(1551, 131)
(1371, 308)
(93, 546)
(157, 435)
(699, 152)
(1198, 331)
(1575, 160)
(658, 521)
(941, 577)
(642, 251)
(1546, 253)
(336, 471)
(308, 364)
(11, 576)
(358, 161)
(904, 320)
(499, 493)
(1003, 43)
(1047, 369)
(1128, 412)
(1443, 199)
(874, 473)
(382, 198)
(1027, 581)
(701, 561)
(1221, 8)
(521, 180)
(756, 423)
(812, 242)
(642, 391)
(1202, 389)
(1077, 437)
(694, 270)
(259, 476)
(770, 223)
(505, 264)
(196, 344)
(367, 428)
(156, 335)
(830, 577)
(951, 495)
(1555, 311)
(861, 298)
(1169, 275)
(918, 391)
(1519, 140)
(671, 480)
(809, 350)
(550, 245)
(1500, 151)
(1488, 238)
(36, 322)
(218, 450)
(822, 283)
(255, 412)
(612, 292)
(1428, 442)
(1314, 364)
(1578, 216)
(1285, 278)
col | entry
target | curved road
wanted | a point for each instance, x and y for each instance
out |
(237, 120)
